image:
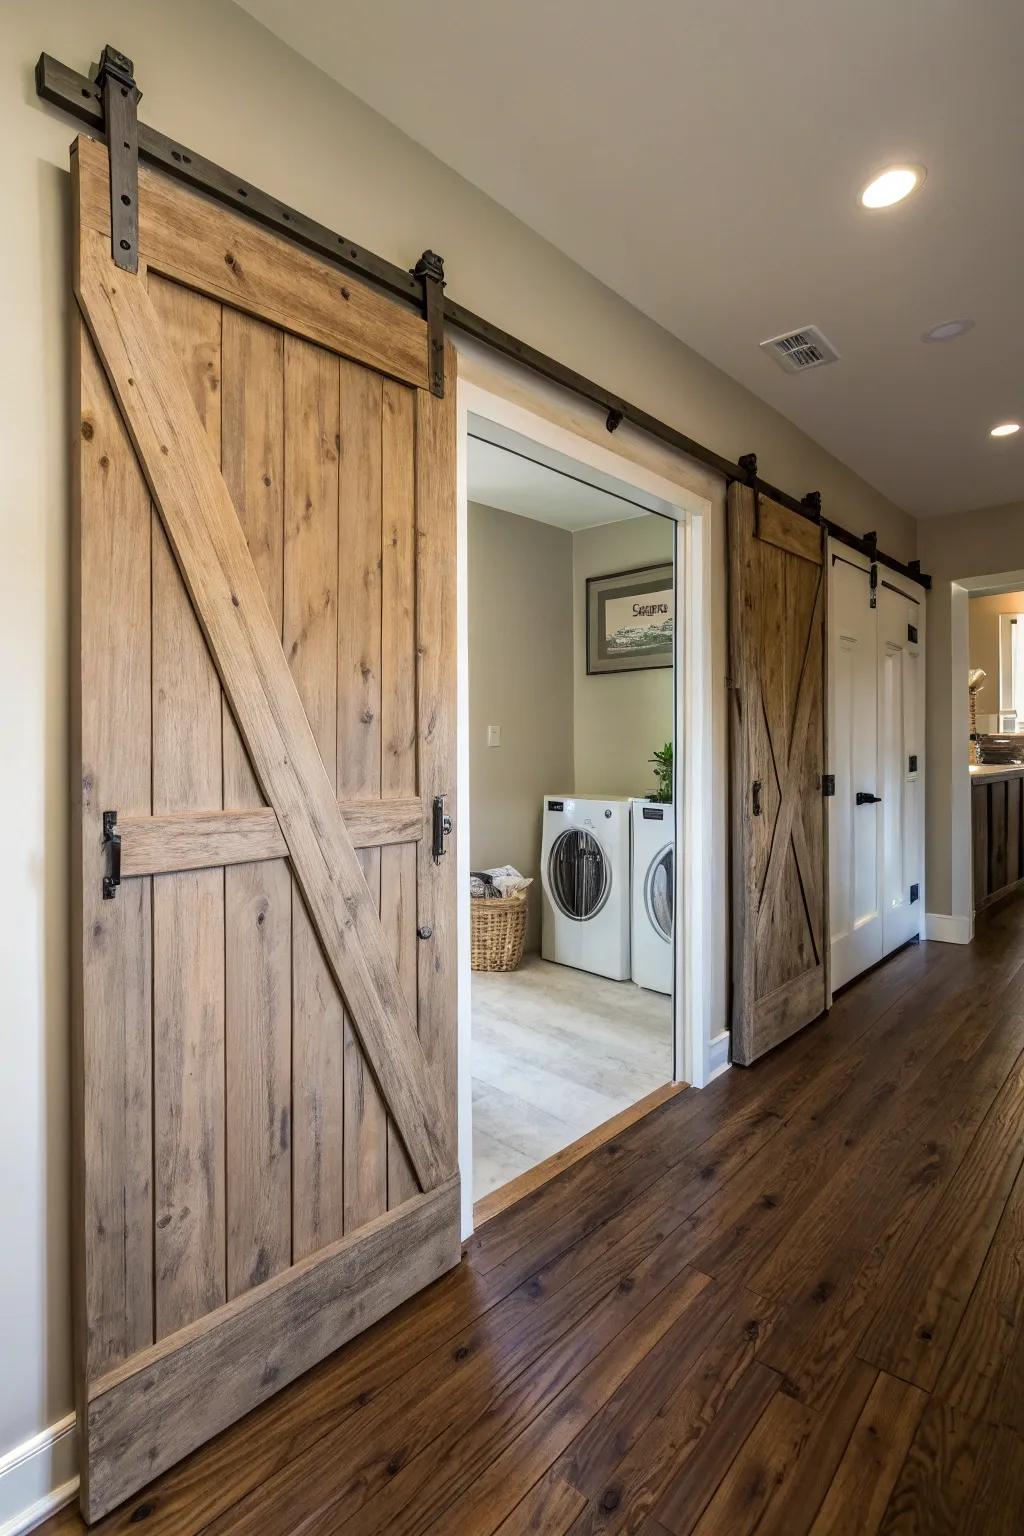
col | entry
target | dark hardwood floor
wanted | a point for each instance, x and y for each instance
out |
(791, 1303)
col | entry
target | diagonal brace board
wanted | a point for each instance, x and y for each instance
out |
(209, 544)
(807, 695)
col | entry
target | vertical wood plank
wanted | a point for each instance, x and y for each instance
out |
(435, 727)
(398, 710)
(311, 645)
(188, 909)
(979, 841)
(112, 949)
(997, 836)
(257, 897)
(1013, 825)
(359, 741)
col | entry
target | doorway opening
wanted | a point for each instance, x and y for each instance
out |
(573, 598)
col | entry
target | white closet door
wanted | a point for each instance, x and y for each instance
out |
(900, 763)
(854, 831)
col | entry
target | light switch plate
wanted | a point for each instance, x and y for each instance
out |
(494, 735)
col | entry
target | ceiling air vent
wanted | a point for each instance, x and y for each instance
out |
(797, 350)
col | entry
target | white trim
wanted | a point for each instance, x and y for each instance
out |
(695, 897)
(948, 930)
(961, 837)
(718, 1056)
(38, 1477)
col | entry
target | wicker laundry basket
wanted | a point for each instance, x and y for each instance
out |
(499, 931)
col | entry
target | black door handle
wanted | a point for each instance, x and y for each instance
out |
(757, 797)
(863, 798)
(441, 828)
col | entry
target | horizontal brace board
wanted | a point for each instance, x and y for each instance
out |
(76, 94)
(232, 260)
(781, 527)
(170, 1398)
(163, 845)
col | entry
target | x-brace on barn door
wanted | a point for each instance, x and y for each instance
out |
(266, 1142)
(780, 883)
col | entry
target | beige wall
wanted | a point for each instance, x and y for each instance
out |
(520, 678)
(620, 718)
(968, 545)
(208, 72)
(984, 642)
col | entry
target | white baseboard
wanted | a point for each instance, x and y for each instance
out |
(718, 1055)
(948, 930)
(38, 1477)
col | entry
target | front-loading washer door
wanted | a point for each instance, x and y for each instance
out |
(579, 874)
(659, 892)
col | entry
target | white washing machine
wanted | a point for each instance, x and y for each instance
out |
(585, 883)
(653, 894)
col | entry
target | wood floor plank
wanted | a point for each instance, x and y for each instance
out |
(690, 1492)
(493, 1492)
(885, 1219)
(579, 1373)
(624, 1466)
(859, 1492)
(980, 1377)
(915, 1323)
(549, 1509)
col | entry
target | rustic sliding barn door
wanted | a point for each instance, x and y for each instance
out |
(266, 1024)
(780, 883)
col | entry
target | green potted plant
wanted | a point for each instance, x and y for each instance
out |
(662, 765)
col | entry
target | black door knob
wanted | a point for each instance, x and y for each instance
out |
(863, 798)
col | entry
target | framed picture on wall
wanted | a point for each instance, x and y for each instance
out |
(630, 619)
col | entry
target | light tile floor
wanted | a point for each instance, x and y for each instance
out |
(555, 1053)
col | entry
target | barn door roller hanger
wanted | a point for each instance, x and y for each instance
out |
(115, 79)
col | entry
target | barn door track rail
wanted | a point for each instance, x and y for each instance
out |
(86, 97)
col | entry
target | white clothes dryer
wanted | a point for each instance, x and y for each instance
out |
(653, 894)
(585, 884)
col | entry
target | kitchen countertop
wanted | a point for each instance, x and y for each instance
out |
(988, 773)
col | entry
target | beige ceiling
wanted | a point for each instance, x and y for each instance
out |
(703, 158)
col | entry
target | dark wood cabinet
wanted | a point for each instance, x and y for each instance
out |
(997, 823)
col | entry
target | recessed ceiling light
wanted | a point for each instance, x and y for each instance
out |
(1005, 429)
(948, 330)
(892, 186)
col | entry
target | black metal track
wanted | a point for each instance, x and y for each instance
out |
(76, 94)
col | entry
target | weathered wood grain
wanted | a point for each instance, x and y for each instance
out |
(777, 645)
(257, 896)
(398, 764)
(436, 730)
(358, 760)
(185, 479)
(160, 845)
(112, 943)
(217, 252)
(787, 530)
(153, 1410)
(189, 1110)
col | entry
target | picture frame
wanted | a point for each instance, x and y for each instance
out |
(631, 620)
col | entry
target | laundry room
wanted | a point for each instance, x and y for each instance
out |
(572, 645)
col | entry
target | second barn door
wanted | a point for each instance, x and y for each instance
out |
(265, 1041)
(780, 884)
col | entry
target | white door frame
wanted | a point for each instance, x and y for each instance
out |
(700, 1050)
